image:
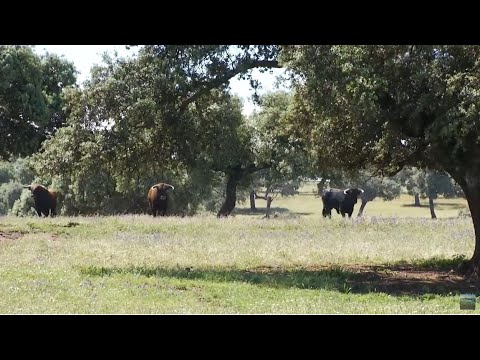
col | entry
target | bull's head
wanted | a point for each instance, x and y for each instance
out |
(163, 190)
(353, 193)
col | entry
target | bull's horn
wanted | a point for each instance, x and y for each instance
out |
(171, 186)
(29, 187)
(345, 191)
(362, 191)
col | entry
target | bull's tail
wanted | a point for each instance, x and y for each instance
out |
(327, 209)
(324, 201)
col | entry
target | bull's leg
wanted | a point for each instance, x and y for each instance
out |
(346, 210)
(53, 213)
(39, 211)
(327, 212)
(152, 208)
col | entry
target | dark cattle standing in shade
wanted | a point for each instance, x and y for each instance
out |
(157, 198)
(341, 200)
(45, 199)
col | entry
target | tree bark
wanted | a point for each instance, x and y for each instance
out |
(360, 211)
(233, 179)
(234, 175)
(417, 200)
(432, 210)
(252, 201)
(470, 184)
(269, 202)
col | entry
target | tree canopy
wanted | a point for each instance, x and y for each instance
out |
(391, 106)
(163, 115)
(31, 98)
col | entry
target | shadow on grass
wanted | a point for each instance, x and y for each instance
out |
(10, 235)
(430, 276)
(69, 224)
(273, 210)
(438, 205)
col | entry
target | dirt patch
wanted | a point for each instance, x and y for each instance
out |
(397, 280)
(9, 235)
(408, 280)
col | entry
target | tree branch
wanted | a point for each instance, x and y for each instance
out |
(261, 197)
(254, 168)
(251, 168)
(215, 83)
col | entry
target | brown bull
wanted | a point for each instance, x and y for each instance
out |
(157, 198)
(45, 199)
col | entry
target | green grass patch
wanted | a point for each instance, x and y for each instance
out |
(394, 260)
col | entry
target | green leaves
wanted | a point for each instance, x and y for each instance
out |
(427, 96)
(163, 115)
(31, 104)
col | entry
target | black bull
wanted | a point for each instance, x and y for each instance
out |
(341, 200)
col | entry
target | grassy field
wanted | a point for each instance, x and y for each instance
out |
(394, 260)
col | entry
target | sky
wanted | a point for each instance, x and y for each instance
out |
(85, 56)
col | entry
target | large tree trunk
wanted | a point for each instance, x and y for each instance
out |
(252, 201)
(234, 175)
(470, 185)
(417, 200)
(269, 202)
(233, 178)
(432, 210)
(362, 207)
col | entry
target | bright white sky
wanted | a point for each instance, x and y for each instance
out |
(85, 56)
